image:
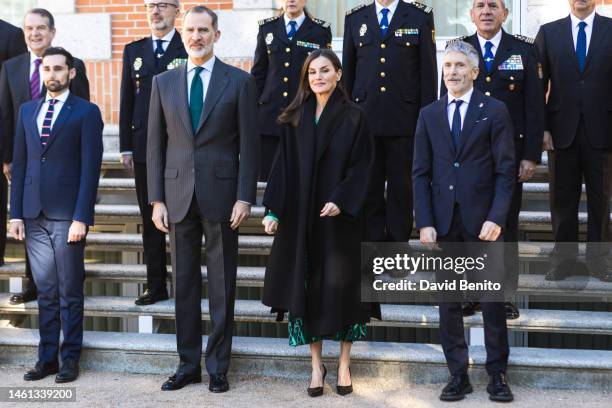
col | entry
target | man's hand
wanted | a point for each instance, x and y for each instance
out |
(428, 235)
(6, 169)
(270, 225)
(547, 142)
(77, 231)
(128, 161)
(490, 231)
(330, 210)
(160, 217)
(240, 213)
(17, 230)
(527, 169)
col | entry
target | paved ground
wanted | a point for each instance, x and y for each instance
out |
(96, 389)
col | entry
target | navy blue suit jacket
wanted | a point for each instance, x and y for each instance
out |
(479, 175)
(60, 180)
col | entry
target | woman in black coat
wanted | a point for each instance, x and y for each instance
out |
(315, 197)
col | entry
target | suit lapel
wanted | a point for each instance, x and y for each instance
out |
(304, 29)
(60, 121)
(148, 56)
(397, 20)
(174, 49)
(23, 79)
(218, 82)
(330, 119)
(504, 50)
(597, 36)
(474, 112)
(180, 85)
(33, 124)
(372, 22)
(566, 40)
(281, 31)
(442, 112)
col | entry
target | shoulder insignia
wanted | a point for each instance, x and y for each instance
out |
(268, 20)
(354, 9)
(522, 38)
(322, 23)
(458, 39)
(423, 7)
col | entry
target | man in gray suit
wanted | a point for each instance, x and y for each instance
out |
(202, 167)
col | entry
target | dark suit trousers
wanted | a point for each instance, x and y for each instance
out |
(269, 145)
(511, 235)
(153, 240)
(391, 219)
(59, 273)
(452, 335)
(221, 261)
(567, 168)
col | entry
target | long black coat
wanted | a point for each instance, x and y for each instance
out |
(315, 164)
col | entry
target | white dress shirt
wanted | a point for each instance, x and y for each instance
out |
(205, 75)
(33, 58)
(588, 29)
(165, 40)
(495, 41)
(59, 104)
(462, 109)
(390, 14)
(298, 20)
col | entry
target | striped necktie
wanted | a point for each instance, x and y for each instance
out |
(35, 80)
(46, 127)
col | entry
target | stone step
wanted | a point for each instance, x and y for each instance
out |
(419, 316)
(253, 276)
(261, 244)
(407, 363)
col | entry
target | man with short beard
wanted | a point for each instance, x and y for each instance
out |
(142, 60)
(20, 82)
(56, 169)
(202, 167)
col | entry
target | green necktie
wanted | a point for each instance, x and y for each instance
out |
(196, 98)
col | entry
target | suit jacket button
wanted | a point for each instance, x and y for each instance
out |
(383, 89)
(488, 79)
(407, 44)
(286, 64)
(287, 49)
(520, 136)
(488, 93)
(456, 165)
(451, 187)
(383, 46)
(382, 74)
(285, 79)
(285, 94)
(382, 60)
(356, 99)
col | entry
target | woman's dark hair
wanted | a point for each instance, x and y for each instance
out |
(293, 113)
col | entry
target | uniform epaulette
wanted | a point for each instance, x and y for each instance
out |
(458, 39)
(267, 20)
(423, 7)
(354, 9)
(528, 40)
(322, 23)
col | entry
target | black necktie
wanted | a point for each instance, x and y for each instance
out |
(159, 51)
(456, 130)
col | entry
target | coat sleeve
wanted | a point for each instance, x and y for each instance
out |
(80, 85)
(429, 66)
(502, 149)
(542, 56)
(248, 131)
(534, 111)
(7, 117)
(260, 63)
(422, 165)
(126, 102)
(349, 58)
(157, 138)
(91, 163)
(351, 193)
(18, 170)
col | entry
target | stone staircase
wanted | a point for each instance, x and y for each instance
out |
(144, 342)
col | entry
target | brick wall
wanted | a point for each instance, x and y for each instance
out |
(129, 23)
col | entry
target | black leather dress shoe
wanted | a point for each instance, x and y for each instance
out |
(68, 373)
(218, 383)
(470, 308)
(498, 389)
(456, 389)
(178, 381)
(149, 297)
(512, 311)
(40, 371)
(27, 295)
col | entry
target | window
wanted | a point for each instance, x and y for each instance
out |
(13, 11)
(452, 17)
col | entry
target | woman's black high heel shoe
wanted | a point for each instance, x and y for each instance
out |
(317, 391)
(345, 389)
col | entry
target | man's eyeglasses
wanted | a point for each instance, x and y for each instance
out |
(160, 6)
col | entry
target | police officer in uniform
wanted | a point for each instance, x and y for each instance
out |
(283, 43)
(389, 63)
(509, 73)
(143, 59)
